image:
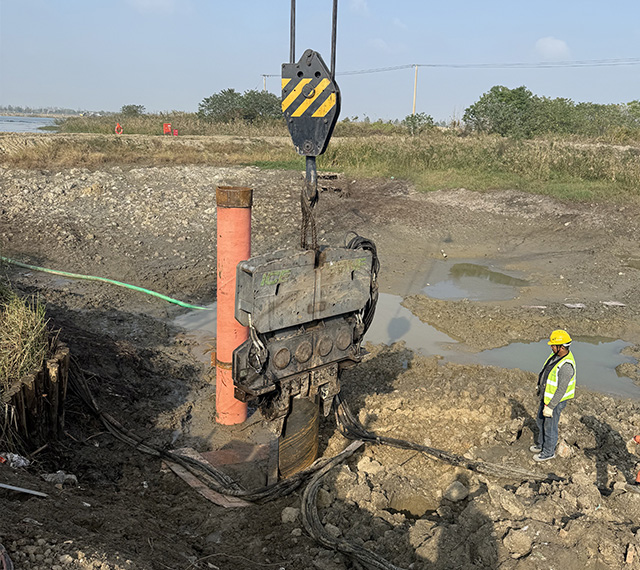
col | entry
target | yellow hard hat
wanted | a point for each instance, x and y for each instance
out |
(559, 337)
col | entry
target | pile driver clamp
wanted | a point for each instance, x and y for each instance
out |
(306, 322)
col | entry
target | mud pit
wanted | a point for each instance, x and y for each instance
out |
(155, 227)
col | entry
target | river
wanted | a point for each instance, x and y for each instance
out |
(9, 124)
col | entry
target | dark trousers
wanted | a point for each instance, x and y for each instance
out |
(548, 429)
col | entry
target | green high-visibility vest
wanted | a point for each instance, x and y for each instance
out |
(552, 381)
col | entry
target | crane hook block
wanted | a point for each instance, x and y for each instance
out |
(310, 103)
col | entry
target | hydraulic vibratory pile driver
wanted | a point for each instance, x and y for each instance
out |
(307, 310)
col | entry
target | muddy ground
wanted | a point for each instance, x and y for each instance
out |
(155, 228)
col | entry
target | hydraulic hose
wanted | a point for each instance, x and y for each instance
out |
(104, 280)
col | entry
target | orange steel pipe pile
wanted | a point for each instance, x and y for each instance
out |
(233, 245)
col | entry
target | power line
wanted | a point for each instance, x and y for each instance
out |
(514, 65)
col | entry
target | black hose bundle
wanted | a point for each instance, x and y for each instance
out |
(5, 561)
(351, 428)
(209, 475)
(313, 525)
(359, 242)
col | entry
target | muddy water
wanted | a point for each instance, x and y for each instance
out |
(596, 358)
(596, 361)
(201, 329)
(393, 323)
(467, 279)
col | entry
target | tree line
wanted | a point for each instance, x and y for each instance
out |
(508, 112)
(515, 113)
(519, 113)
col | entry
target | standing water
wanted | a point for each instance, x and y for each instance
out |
(472, 281)
(596, 358)
(596, 362)
(201, 327)
(10, 124)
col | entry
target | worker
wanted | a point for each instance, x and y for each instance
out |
(636, 439)
(556, 386)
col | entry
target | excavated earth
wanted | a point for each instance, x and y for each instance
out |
(155, 227)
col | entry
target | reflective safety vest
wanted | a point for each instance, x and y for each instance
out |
(552, 381)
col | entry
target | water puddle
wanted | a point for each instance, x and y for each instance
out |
(473, 281)
(393, 323)
(596, 360)
(201, 328)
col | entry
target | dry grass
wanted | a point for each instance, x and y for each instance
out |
(23, 339)
(564, 168)
(24, 345)
(95, 151)
(186, 123)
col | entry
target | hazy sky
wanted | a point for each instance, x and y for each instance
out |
(171, 54)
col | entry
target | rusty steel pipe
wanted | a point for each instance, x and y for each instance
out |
(233, 245)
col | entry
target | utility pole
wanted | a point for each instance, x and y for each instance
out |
(264, 82)
(415, 88)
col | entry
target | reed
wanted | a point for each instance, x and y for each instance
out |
(23, 338)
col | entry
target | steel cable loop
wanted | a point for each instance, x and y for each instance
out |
(359, 242)
(307, 206)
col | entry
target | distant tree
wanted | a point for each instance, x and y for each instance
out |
(508, 112)
(555, 116)
(229, 105)
(221, 107)
(259, 105)
(417, 123)
(132, 110)
(596, 119)
(519, 113)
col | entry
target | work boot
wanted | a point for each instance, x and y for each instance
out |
(541, 457)
(535, 449)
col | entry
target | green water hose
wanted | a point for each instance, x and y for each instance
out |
(104, 280)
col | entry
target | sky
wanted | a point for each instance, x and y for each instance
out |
(171, 54)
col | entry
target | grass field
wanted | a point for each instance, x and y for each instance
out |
(574, 169)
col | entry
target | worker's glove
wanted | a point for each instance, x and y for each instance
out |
(547, 412)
